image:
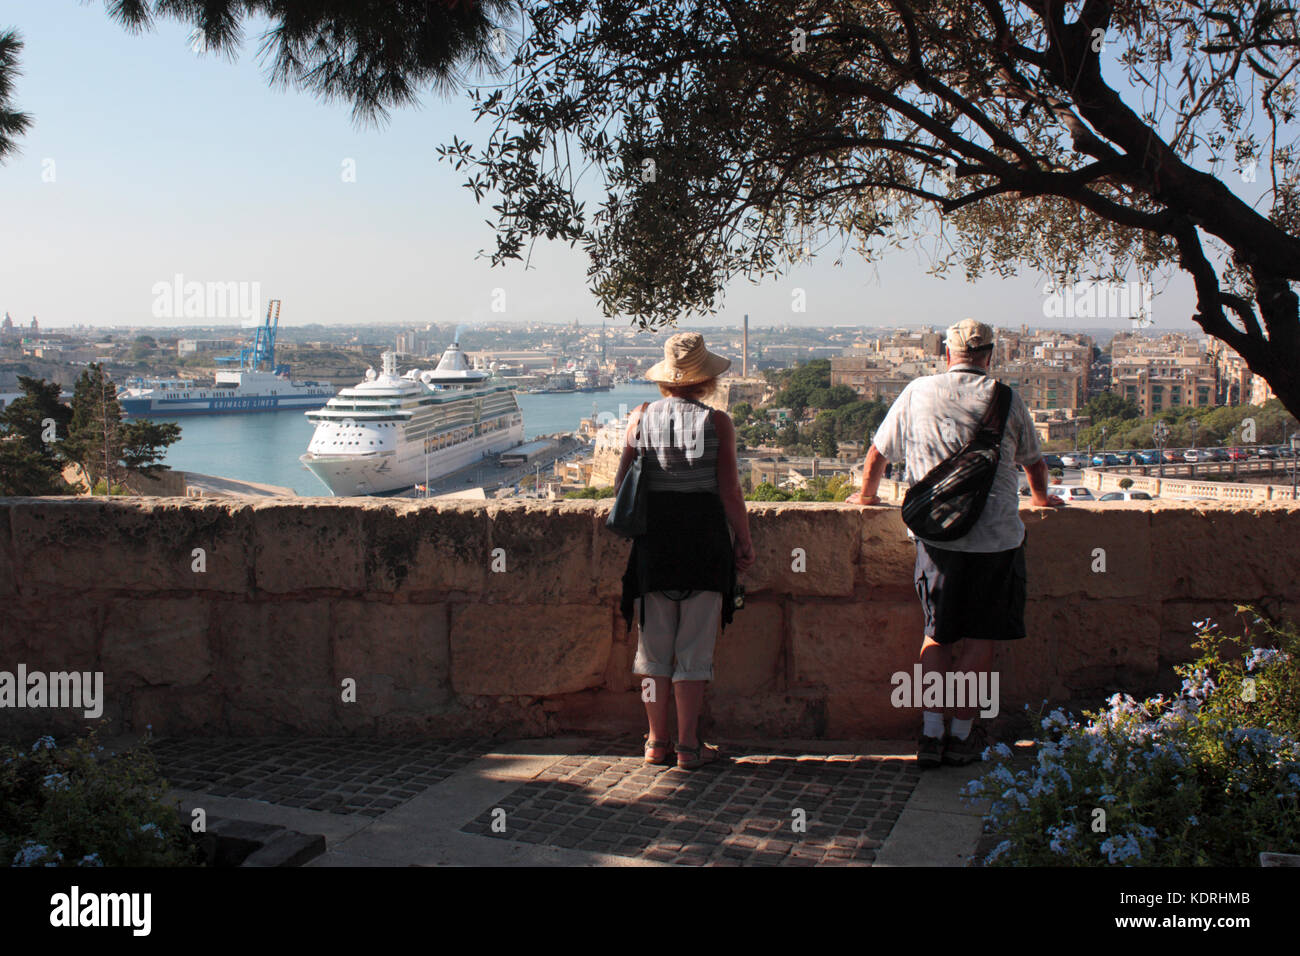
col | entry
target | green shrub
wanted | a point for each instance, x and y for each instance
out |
(1209, 778)
(80, 805)
(592, 492)
(1125, 484)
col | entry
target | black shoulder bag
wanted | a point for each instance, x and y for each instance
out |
(627, 518)
(946, 503)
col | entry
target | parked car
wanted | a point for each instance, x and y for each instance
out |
(1102, 460)
(1149, 456)
(1197, 454)
(1238, 454)
(1074, 459)
(1173, 456)
(1283, 451)
(1218, 454)
(1068, 493)
(1266, 451)
(1053, 461)
(1127, 496)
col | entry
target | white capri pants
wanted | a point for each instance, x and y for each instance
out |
(681, 626)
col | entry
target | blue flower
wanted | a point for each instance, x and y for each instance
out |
(1061, 836)
(31, 854)
(90, 859)
(1121, 847)
(998, 850)
(45, 743)
(56, 781)
(1193, 821)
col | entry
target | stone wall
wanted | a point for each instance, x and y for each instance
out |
(455, 618)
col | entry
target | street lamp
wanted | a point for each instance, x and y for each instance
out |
(1192, 425)
(1161, 433)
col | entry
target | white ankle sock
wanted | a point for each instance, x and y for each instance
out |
(961, 728)
(933, 723)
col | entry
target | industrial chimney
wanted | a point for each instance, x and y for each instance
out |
(744, 362)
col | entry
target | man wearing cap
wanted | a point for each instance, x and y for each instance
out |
(972, 588)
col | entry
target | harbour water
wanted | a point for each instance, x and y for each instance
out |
(264, 447)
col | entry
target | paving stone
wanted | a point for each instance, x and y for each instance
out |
(734, 812)
(318, 773)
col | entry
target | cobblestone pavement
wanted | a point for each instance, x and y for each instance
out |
(751, 808)
(339, 775)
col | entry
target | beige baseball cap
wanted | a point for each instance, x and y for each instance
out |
(969, 335)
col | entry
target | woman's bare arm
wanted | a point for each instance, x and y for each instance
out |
(733, 499)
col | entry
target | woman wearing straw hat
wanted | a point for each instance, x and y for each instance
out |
(681, 575)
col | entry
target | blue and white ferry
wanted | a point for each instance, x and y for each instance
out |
(259, 385)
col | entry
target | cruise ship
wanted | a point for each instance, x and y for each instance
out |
(259, 385)
(391, 432)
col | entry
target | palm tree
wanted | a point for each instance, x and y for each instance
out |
(12, 123)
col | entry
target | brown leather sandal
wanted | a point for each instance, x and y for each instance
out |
(691, 758)
(664, 761)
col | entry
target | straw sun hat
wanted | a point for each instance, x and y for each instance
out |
(687, 361)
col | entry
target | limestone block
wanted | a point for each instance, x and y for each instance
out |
(51, 632)
(178, 710)
(273, 661)
(597, 711)
(157, 641)
(1066, 550)
(609, 555)
(391, 650)
(747, 658)
(827, 534)
(867, 711)
(534, 650)
(887, 557)
(135, 544)
(1220, 551)
(853, 645)
(308, 545)
(547, 552)
(1027, 669)
(1102, 646)
(289, 712)
(426, 546)
(799, 713)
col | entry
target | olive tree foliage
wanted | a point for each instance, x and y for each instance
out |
(1086, 140)
(374, 54)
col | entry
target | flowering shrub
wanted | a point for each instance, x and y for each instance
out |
(1209, 778)
(78, 805)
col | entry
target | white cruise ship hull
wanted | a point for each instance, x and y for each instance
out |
(390, 471)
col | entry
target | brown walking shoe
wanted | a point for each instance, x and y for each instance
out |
(929, 750)
(959, 753)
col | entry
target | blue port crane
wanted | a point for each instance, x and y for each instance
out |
(261, 354)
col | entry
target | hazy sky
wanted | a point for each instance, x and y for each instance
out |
(167, 163)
